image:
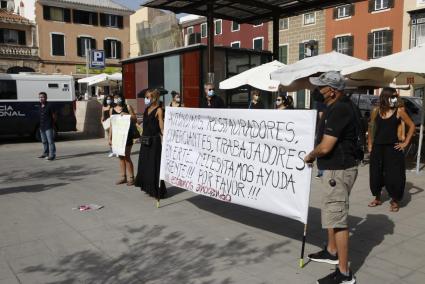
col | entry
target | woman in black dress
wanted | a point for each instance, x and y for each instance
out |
(387, 165)
(150, 149)
(121, 108)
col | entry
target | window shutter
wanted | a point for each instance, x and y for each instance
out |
(46, 12)
(389, 42)
(93, 43)
(371, 6)
(352, 9)
(95, 19)
(79, 49)
(102, 20)
(301, 51)
(107, 48)
(119, 50)
(370, 45)
(335, 13)
(335, 43)
(350, 46)
(391, 3)
(120, 22)
(1, 36)
(67, 15)
(22, 38)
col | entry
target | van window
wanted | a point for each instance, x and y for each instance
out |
(8, 90)
(53, 86)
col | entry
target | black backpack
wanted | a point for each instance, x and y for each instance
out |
(361, 145)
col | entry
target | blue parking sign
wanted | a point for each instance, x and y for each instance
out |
(97, 59)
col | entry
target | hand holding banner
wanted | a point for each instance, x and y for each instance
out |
(120, 124)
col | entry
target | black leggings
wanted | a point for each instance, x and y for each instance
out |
(387, 168)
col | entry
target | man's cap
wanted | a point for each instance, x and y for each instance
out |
(332, 79)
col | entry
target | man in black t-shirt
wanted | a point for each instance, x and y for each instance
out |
(335, 153)
(47, 123)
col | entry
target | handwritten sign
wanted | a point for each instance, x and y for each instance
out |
(120, 125)
(248, 157)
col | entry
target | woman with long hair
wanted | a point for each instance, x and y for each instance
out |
(126, 164)
(177, 100)
(150, 149)
(387, 164)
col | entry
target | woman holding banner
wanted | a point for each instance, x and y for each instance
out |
(150, 149)
(126, 164)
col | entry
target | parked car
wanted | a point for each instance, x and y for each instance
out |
(366, 103)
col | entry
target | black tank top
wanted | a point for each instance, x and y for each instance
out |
(151, 123)
(386, 129)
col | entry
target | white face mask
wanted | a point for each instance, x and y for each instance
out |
(177, 100)
(393, 102)
(278, 103)
(210, 93)
(108, 102)
(147, 101)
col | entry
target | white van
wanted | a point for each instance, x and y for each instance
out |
(19, 102)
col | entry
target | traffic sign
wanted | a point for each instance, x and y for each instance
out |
(97, 59)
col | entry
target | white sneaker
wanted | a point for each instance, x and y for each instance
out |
(111, 155)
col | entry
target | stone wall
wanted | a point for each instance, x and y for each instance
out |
(88, 115)
(297, 33)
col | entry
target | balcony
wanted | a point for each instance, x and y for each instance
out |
(7, 50)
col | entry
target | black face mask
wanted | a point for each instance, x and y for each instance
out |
(318, 96)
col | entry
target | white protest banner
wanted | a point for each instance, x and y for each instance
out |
(120, 124)
(253, 158)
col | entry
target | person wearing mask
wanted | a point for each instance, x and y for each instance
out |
(256, 100)
(177, 101)
(288, 102)
(387, 164)
(335, 153)
(126, 164)
(47, 125)
(280, 101)
(106, 109)
(212, 100)
(150, 148)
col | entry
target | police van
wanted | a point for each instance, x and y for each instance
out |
(20, 107)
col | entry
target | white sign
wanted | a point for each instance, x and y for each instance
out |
(120, 125)
(97, 59)
(253, 158)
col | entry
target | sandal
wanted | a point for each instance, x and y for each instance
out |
(130, 182)
(121, 181)
(394, 206)
(375, 202)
